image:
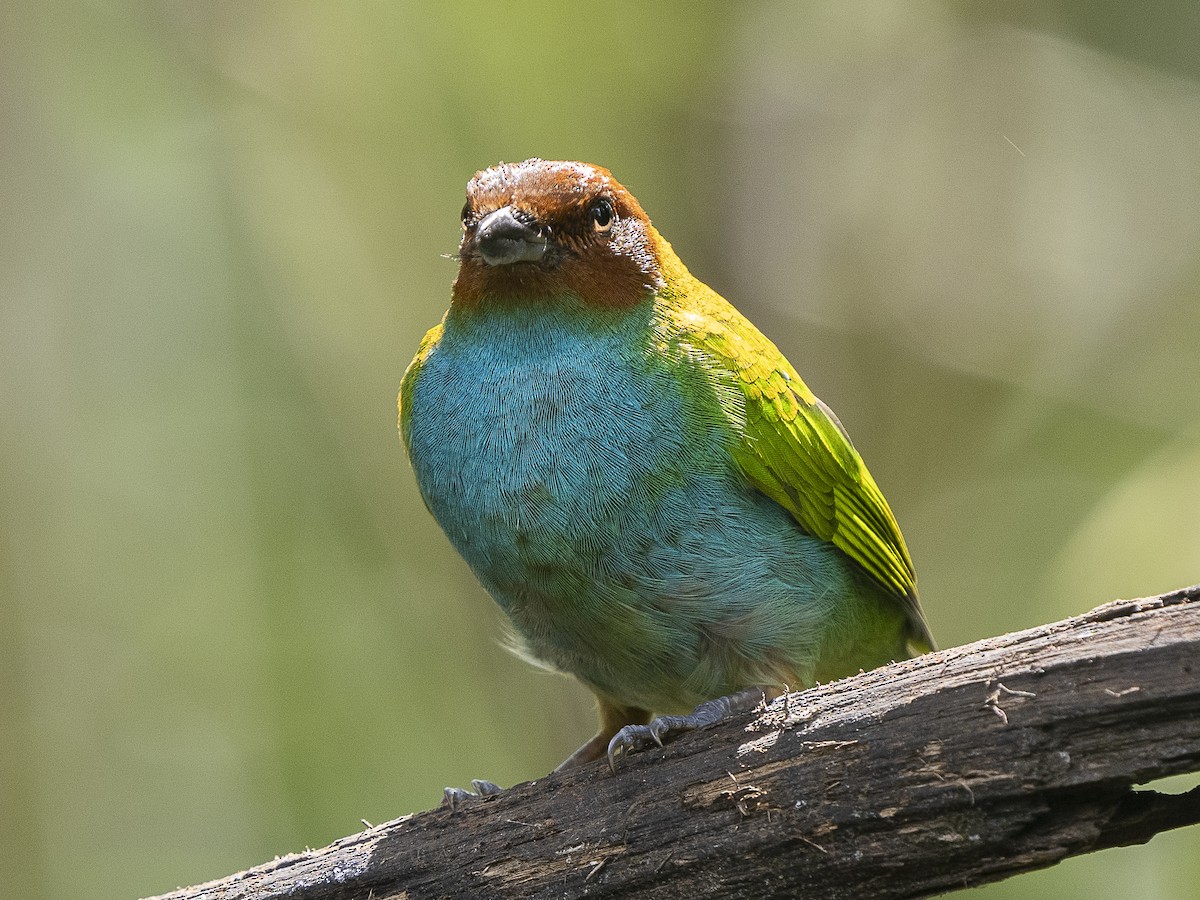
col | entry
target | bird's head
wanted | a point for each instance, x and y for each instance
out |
(539, 229)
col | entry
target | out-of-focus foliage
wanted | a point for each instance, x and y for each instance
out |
(228, 628)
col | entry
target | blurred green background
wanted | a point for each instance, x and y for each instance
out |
(229, 629)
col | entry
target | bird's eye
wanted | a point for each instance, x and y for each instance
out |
(602, 215)
(465, 216)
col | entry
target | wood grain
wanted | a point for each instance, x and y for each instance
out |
(960, 767)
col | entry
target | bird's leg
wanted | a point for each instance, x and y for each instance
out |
(632, 738)
(613, 720)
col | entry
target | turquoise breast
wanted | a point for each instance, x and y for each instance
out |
(580, 466)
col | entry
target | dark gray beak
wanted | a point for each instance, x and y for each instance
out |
(502, 239)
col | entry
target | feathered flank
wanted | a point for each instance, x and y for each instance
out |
(791, 446)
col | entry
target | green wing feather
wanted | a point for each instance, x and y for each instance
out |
(792, 447)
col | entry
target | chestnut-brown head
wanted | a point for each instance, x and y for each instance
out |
(539, 229)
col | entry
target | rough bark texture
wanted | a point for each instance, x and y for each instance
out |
(963, 766)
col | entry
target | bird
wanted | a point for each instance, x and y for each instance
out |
(637, 475)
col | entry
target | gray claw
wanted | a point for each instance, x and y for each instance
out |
(633, 738)
(453, 797)
(485, 788)
(630, 739)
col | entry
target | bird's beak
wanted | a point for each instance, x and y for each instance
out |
(502, 239)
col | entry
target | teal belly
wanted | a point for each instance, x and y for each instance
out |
(587, 483)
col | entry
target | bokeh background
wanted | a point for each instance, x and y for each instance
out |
(228, 628)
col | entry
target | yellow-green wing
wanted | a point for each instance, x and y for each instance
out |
(793, 448)
(432, 336)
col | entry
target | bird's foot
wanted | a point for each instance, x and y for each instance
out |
(453, 797)
(633, 738)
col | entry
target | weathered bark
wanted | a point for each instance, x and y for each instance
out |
(963, 766)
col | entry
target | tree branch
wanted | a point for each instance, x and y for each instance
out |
(960, 767)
